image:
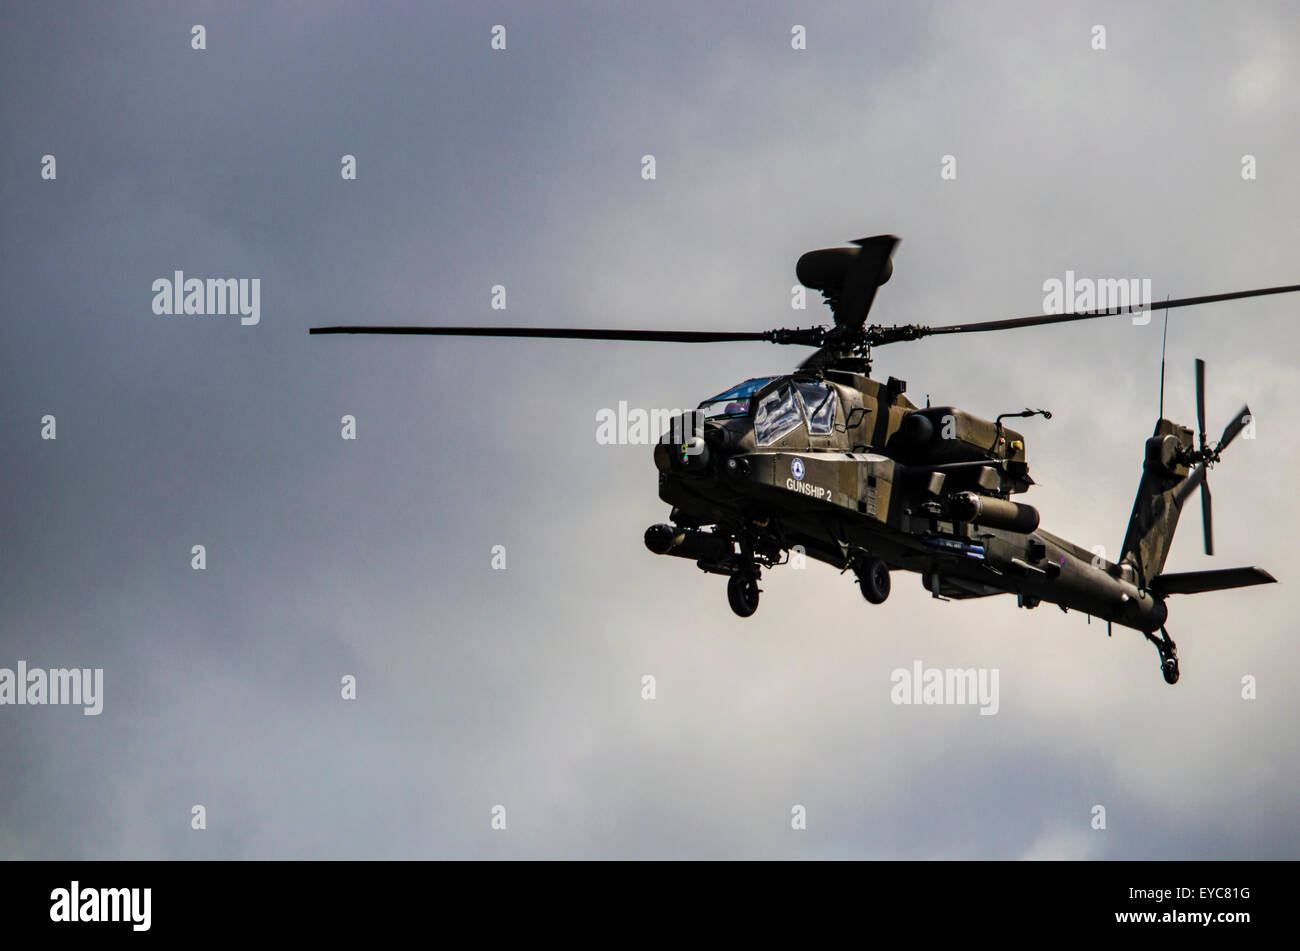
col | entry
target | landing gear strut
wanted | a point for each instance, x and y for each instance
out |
(1168, 655)
(873, 579)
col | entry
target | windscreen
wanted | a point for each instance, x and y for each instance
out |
(777, 414)
(819, 407)
(735, 401)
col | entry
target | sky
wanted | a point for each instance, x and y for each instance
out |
(372, 558)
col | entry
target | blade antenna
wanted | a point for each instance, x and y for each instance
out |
(1163, 337)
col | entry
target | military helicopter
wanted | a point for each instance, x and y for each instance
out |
(849, 471)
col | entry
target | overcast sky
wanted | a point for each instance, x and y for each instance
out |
(373, 558)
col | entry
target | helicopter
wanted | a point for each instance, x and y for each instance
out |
(848, 471)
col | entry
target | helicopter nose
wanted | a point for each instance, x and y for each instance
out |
(720, 438)
(689, 455)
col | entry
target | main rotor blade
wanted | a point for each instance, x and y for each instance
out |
(1200, 399)
(913, 333)
(1207, 521)
(821, 357)
(565, 333)
(1233, 428)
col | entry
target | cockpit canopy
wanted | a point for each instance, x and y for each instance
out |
(778, 409)
(734, 403)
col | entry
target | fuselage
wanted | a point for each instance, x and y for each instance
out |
(840, 467)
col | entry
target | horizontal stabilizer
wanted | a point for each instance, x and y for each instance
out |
(1194, 582)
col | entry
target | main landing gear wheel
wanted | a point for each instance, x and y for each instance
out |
(742, 593)
(873, 579)
(1168, 655)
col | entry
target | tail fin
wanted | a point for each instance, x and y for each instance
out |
(1158, 504)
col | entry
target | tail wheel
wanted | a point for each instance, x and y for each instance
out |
(873, 579)
(1169, 667)
(742, 593)
(1168, 655)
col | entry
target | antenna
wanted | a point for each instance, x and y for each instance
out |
(1163, 336)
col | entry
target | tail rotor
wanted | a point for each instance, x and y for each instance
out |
(1207, 455)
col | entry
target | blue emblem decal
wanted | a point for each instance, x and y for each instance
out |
(796, 469)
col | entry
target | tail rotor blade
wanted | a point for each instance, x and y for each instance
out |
(1231, 431)
(1189, 485)
(1200, 399)
(1207, 519)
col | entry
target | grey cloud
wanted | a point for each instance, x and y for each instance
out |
(478, 687)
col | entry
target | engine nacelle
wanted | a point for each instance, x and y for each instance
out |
(917, 429)
(941, 434)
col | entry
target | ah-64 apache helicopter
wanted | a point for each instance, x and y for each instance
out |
(857, 476)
